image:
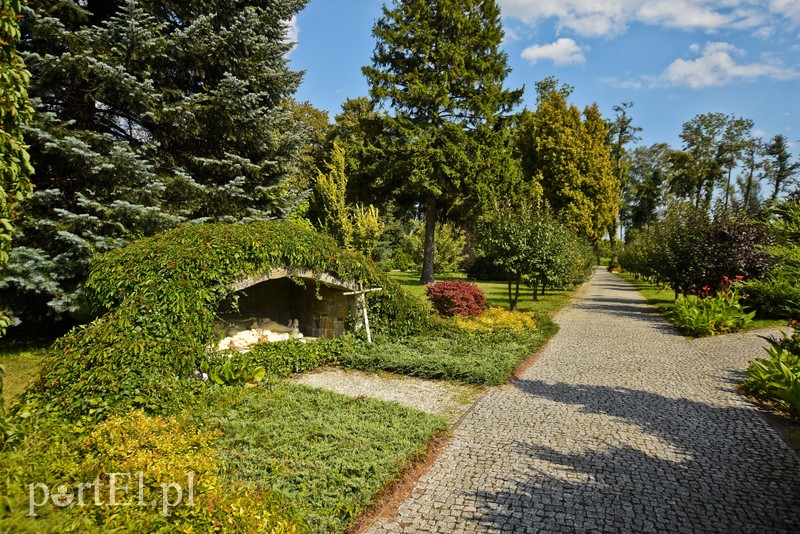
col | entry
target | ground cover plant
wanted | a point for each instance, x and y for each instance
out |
(474, 357)
(328, 454)
(663, 298)
(776, 378)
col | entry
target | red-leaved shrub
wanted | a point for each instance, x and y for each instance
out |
(454, 297)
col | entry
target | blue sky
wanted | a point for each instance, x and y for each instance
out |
(673, 58)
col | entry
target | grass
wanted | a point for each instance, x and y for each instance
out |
(660, 297)
(496, 292)
(330, 455)
(22, 363)
(486, 359)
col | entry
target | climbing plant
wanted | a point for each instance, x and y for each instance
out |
(157, 299)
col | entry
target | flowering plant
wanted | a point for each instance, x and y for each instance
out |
(702, 314)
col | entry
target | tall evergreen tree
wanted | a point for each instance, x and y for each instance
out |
(438, 64)
(150, 113)
(15, 111)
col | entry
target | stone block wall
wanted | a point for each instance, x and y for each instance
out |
(283, 299)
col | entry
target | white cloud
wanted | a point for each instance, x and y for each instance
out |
(621, 84)
(607, 18)
(562, 52)
(292, 30)
(786, 8)
(717, 66)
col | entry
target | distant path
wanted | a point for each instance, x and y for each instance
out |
(622, 425)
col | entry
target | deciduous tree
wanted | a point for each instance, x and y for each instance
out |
(15, 111)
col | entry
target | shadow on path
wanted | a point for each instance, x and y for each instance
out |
(721, 474)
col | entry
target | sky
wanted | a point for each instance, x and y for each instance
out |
(674, 59)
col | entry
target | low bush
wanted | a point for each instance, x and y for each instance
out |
(165, 451)
(455, 297)
(496, 319)
(707, 316)
(776, 378)
(773, 298)
(329, 454)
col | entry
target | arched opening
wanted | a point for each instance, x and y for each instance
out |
(290, 303)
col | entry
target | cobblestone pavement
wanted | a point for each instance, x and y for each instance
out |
(622, 425)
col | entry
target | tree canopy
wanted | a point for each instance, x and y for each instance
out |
(439, 66)
(149, 114)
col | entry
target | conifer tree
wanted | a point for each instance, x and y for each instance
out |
(438, 64)
(150, 113)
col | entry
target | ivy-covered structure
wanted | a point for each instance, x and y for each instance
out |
(157, 301)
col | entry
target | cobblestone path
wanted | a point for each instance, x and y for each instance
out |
(622, 425)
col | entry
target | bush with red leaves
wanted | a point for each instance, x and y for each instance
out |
(454, 297)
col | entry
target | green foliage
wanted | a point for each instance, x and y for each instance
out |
(149, 114)
(329, 198)
(232, 372)
(778, 294)
(777, 377)
(440, 125)
(367, 228)
(164, 450)
(15, 111)
(162, 294)
(454, 354)
(329, 454)
(527, 242)
(773, 297)
(720, 314)
(293, 356)
(448, 248)
(10, 435)
(567, 155)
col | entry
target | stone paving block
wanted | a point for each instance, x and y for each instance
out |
(621, 425)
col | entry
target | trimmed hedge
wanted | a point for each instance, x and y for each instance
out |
(161, 295)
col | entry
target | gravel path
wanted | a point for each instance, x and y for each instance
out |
(622, 425)
(432, 396)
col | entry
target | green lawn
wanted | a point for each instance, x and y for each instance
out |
(329, 454)
(22, 363)
(496, 292)
(660, 296)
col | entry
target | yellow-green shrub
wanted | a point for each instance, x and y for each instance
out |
(166, 450)
(495, 319)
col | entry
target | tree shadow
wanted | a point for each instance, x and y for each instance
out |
(688, 466)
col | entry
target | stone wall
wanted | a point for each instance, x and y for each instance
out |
(283, 299)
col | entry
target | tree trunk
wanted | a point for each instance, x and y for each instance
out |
(728, 189)
(430, 231)
(612, 240)
(535, 289)
(543, 284)
(512, 300)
